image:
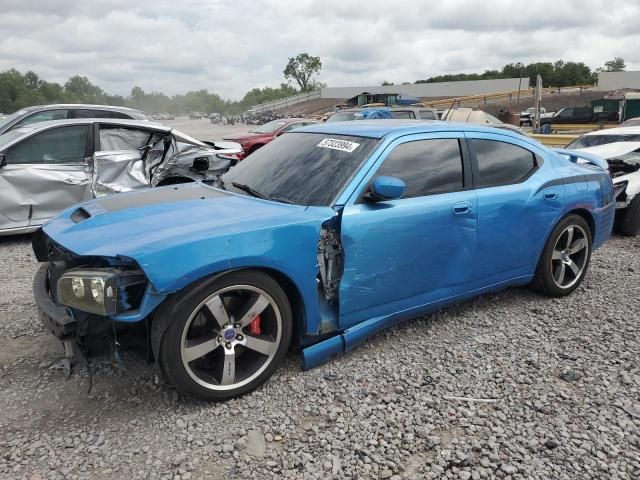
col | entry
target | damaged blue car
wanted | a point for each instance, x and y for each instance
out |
(321, 238)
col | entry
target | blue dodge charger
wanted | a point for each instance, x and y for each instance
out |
(319, 239)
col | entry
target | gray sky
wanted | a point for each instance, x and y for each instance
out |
(231, 46)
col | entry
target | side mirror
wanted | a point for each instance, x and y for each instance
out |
(3, 160)
(386, 188)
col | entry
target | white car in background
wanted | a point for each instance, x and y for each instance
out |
(621, 148)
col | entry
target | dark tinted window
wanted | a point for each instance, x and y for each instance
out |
(302, 168)
(426, 166)
(427, 115)
(501, 163)
(88, 113)
(59, 145)
(403, 114)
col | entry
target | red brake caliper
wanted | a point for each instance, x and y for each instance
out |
(254, 326)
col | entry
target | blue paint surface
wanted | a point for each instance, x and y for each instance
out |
(401, 257)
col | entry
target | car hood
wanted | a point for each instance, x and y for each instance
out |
(138, 224)
(245, 136)
(611, 150)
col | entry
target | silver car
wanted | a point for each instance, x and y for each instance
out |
(60, 111)
(46, 167)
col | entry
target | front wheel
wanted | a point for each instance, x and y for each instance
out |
(565, 258)
(228, 338)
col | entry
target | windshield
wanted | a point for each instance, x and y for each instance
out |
(269, 127)
(342, 116)
(593, 140)
(302, 168)
(11, 118)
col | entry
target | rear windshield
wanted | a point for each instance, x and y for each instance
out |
(593, 140)
(302, 168)
(342, 116)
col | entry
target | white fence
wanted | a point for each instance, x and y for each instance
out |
(286, 102)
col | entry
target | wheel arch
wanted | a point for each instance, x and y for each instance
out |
(586, 215)
(159, 324)
(581, 212)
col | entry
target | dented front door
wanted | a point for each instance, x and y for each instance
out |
(43, 175)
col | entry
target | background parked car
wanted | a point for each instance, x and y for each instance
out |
(47, 166)
(44, 113)
(621, 148)
(406, 113)
(260, 136)
(579, 115)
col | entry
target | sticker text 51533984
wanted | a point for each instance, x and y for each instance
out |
(337, 144)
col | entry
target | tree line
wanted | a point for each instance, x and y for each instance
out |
(554, 74)
(18, 90)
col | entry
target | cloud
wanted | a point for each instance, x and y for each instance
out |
(230, 46)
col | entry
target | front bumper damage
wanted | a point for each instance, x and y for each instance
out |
(56, 318)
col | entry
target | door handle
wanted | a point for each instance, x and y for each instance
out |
(76, 181)
(550, 195)
(461, 207)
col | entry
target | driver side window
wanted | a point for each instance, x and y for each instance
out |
(426, 166)
(55, 146)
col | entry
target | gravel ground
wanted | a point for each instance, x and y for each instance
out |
(561, 377)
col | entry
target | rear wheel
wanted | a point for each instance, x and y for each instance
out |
(629, 221)
(228, 338)
(565, 258)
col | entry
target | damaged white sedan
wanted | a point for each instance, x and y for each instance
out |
(624, 166)
(48, 166)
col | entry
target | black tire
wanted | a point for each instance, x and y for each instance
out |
(548, 269)
(179, 370)
(628, 223)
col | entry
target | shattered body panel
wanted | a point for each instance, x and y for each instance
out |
(624, 166)
(117, 156)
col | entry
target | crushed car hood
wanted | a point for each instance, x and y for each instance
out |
(245, 136)
(610, 150)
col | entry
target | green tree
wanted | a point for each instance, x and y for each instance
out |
(301, 68)
(615, 65)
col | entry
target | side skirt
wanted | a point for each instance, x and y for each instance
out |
(319, 353)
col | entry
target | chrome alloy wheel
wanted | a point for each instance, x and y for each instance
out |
(569, 257)
(231, 337)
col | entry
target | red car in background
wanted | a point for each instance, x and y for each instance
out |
(253, 140)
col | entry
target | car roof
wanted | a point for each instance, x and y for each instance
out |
(617, 131)
(82, 105)
(383, 128)
(41, 126)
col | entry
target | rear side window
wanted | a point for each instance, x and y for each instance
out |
(426, 166)
(89, 113)
(501, 163)
(59, 145)
(403, 114)
(119, 138)
(45, 116)
(427, 115)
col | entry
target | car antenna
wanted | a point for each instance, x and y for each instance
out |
(449, 111)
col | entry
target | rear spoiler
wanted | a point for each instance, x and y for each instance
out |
(589, 158)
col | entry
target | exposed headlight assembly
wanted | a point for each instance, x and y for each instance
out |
(90, 290)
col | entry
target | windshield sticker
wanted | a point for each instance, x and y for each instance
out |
(335, 144)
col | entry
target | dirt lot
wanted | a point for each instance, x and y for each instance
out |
(561, 378)
(203, 129)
